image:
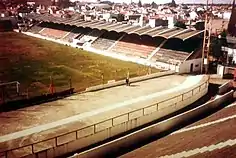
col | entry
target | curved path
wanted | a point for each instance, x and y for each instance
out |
(50, 120)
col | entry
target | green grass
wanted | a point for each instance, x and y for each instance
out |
(32, 61)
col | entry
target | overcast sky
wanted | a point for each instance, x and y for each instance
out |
(177, 1)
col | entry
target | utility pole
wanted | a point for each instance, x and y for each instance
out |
(206, 39)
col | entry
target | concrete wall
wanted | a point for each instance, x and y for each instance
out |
(186, 65)
(223, 70)
(153, 130)
(220, 70)
(132, 80)
(225, 87)
(80, 134)
(165, 66)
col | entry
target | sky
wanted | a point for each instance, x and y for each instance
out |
(177, 1)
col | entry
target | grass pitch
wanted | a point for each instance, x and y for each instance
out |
(32, 61)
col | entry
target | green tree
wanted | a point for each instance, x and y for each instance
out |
(215, 48)
(154, 5)
(223, 39)
(140, 3)
(200, 26)
(180, 24)
(173, 4)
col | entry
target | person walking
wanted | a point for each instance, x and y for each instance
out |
(127, 79)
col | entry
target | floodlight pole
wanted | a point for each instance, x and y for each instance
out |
(206, 41)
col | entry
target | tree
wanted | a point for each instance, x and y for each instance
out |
(120, 17)
(173, 4)
(200, 13)
(223, 33)
(223, 39)
(200, 26)
(180, 24)
(64, 3)
(154, 5)
(185, 7)
(215, 48)
(139, 3)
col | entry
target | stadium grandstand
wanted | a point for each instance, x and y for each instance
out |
(166, 48)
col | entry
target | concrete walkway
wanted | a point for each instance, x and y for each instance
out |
(90, 104)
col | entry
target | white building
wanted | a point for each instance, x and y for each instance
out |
(171, 21)
(193, 15)
(226, 15)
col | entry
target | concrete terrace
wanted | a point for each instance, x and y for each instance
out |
(30, 117)
(213, 136)
(75, 121)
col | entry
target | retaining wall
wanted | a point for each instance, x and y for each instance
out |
(153, 130)
(57, 142)
(132, 80)
(225, 87)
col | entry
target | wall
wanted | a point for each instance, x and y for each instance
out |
(132, 80)
(185, 66)
(153, 130)
(223, 70)
(220, 70)
(225, 87)
(54, 143)
(165, 66)
(229, 70)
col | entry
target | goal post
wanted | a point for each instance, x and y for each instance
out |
(9, 91)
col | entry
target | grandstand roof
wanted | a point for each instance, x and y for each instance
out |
(93, 26)
(111, 26)
(155, 31)
(178, 33)
(142, 30)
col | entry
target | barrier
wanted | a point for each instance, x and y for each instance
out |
(22, 103)
(225, 87)
(153, 130)
(132, 80)
(56, 142)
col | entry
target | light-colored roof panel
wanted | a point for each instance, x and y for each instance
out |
(115, 27)
(70, 20)
(75, 22)
(96, 25)
(131, 28)
(100, 26)
(153, 32)
(110, 26)
(142, 30)
(80, 24)
(170, 32)
(186, 34)
(194, 33)
(121, 28)
(90, 23)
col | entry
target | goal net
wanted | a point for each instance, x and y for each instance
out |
(9, 91)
